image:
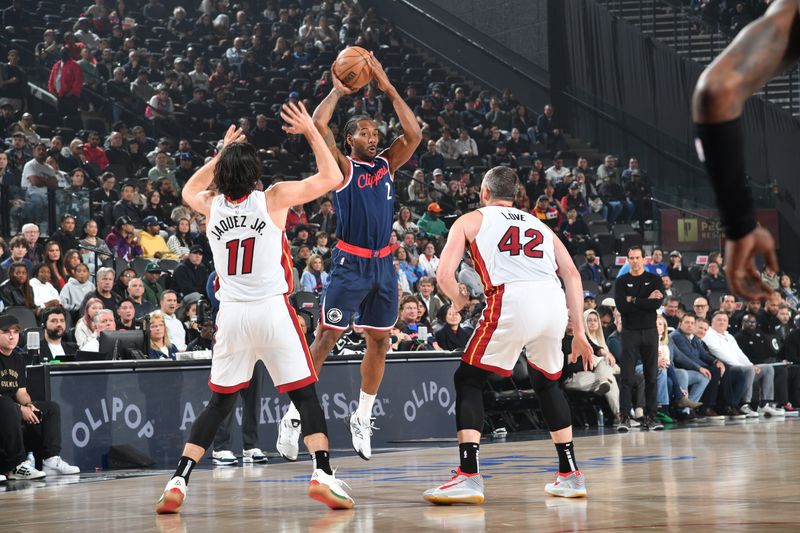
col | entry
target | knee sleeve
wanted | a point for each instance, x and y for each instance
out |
(311, 415)
(555, 407)
(469, 381)
(207, 423)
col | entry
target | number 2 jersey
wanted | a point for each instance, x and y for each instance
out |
(365, 204)
(513, 246)
(251, 255)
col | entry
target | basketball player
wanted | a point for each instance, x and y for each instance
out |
(519, 260)
(763, 49)
(363, 279)
(254, 273)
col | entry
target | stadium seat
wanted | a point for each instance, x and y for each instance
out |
(27, 320)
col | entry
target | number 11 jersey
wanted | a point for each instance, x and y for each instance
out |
(251, 255)
(513, 246)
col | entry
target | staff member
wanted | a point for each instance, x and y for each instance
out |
(25, 425)
(638, 294)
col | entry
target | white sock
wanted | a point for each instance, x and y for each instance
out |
(292, 412)
(365, 402)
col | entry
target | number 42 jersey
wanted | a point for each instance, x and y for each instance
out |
(513, 246)
(251, 255)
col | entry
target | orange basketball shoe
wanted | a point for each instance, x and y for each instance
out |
(173, 496)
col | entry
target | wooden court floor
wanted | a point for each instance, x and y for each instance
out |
(740, 476)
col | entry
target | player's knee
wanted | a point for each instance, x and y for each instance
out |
(307, 404)
(378, 341)
(469, 377)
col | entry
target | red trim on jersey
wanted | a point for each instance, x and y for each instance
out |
(347, 178)
(286, 387)
(363, 252)
(236, 200)
(227, 390)
(548, 375)
(216, 284)
(476, 348)
(286, 263)
(370, 163)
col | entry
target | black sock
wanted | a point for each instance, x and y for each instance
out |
(185, 467)
(566, 458)
(468, 453)
(722, 148)
(322, 460)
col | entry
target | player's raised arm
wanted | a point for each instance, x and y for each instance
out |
(283, 195)
(404, 146)
(322, 117)
(195, 193)
(572, 283)
(451, 257)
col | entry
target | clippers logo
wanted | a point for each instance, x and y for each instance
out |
(333, 315)
(371, 180)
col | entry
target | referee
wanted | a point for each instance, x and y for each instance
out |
(638, 295)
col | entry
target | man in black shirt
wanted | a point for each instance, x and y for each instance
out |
(25, 425)
(638, 295)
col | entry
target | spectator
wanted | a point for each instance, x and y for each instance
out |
(639, 193)
(671, 311)
(152, 243)
(701, 308)
(638, 295)
(412, 271)
(120, 287)
(37, 177)
(691, 356)
(547, 212)
(430, 222)
(633, 168)
(16, 290)
(788, 292)
(574, 232)
(160, 345)
(167, 305)
(466, 145)
(431, 159)
(768, 317)
(103, 321)
(66, 80)
(770, 278)
(713, 280)
(44, 294)
(556, 173)
(65, 235)
(518, 145)
(89, 238)
(451, 336)
(180, 243)
(427, 297)
(676, 270)
(315, 279)
(591, 269)
(446, 146)
(84, 330)
(607, 170)
(19, 252)
(135, 294)
(428, 260)
(657, 265)
(76, 289)
(125, 208)
(122, 240)
(549, 131)
(725, 348)
(190, 276)
(104, 292)
(294, 217)
(35, 249)
(760, 349)
(54, 322)
(619, 206)
(26, 425)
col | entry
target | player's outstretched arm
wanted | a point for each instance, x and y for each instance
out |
(568, 272)
(283, 195)
(404, 146)
(195, 193)
(322, 117)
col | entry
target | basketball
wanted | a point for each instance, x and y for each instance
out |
(351, 67)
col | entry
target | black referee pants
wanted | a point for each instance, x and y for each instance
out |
(636, 344)
(251, 409)
(18, 437)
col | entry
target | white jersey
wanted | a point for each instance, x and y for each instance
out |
(251, 255)
(513, 246)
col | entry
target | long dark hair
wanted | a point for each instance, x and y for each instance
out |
(237, 170)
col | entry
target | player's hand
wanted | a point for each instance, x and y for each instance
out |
(298, 121)
(340, 87)
(582, 348)
(378, 74)
(29, 414)
(233, 135)
(740, 268)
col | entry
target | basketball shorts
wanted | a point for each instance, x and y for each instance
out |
(265, 329)
(362, 287)
(530, 315)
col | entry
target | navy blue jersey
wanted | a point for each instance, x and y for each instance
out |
(365, 204)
